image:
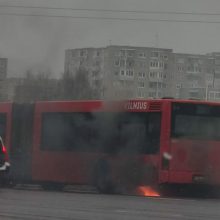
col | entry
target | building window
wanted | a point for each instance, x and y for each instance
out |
(194, 85)
(130, 63)
(142, 55)
(152, 94)
(160, 85)
(122, 63)
(122, 72)
(178, 86)
(82, 53)
(165, 57)
(154, 64)
(97, 53)
(165, 66)
(81, 62)
(127, 83)
(142, 64)
(180, 60)
(161, 64)
(153, 85)
(141, 74)
(141, 84)
(179, 68)
(116, 62)
(129, 73)
(130, 53)
(122, 53)
(155, 54)
(159, 94)
(153, 74)
(160, 75)
(140, 93)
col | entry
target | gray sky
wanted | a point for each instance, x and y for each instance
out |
(40, 42)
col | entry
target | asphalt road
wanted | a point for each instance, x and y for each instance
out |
(36, 204)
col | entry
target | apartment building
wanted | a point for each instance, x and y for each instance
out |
(192, 75)
(146, 72)
(125, 71)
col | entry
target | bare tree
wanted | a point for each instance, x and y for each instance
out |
(77, 87)
(36, 87)
(40, 86)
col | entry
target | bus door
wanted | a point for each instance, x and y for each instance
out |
(138, 144)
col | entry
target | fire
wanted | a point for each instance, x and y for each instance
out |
(147, 191)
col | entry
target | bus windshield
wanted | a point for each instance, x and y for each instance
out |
(195, 121)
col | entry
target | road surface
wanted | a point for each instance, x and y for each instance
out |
(37, 204)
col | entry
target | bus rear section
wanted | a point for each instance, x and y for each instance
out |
(195, 143)
(94, 143)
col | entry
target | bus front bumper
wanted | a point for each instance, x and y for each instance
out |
(184, 177)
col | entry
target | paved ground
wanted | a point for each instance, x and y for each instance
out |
(36, 204)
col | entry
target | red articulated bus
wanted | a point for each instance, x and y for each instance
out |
(116, 144)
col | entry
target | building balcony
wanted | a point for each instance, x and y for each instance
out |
(156, 80)
(193, 73)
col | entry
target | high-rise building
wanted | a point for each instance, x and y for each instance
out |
(124, 71)
(191, 75)
(146, 72)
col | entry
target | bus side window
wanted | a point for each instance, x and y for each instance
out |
(153, 134)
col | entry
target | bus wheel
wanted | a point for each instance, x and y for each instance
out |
(102, 177)
(52, 186)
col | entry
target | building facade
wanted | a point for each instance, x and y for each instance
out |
(124, 71)
(145, 72)
(191, 76)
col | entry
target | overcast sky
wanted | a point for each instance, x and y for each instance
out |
(41, 42)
